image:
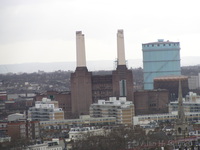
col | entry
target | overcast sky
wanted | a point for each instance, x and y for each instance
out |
(44, 30)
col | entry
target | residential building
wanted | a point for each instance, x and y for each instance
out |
(190, 104)
(45, 110)
(3, 96)
(63, 98)
(17, 130)
(122, 109)
(49, 145)
(16, 117)
(167, 117)
(4, 138)
(83, 121)
(189, 107)
(29, 130)
(161, 58)
(82, 132)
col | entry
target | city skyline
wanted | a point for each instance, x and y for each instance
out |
(44, 31)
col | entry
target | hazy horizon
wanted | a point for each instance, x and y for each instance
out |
(91, 65)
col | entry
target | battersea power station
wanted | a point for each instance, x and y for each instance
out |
(87, 88)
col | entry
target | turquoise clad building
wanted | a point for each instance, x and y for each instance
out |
(160, 58)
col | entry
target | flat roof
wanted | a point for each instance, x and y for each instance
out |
(171, 78)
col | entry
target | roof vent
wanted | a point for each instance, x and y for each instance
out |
(160, 40)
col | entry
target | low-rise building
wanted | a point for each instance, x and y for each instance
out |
(16, 117)
(168, 117)
(4, 138)
(80, 133)
(83, 121)
(51, 145)
(191, 103)
(17, 130)
(121, 109)
(45, 110)
(29, 130)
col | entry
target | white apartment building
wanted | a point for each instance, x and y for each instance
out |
(146, 119)
(45, 110)
(80, 133)
(16, 117)
(191, 103)
(121, 109)
(83, 121)
(46, 146)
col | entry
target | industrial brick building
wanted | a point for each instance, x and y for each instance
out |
(151, 102)
(87, 88)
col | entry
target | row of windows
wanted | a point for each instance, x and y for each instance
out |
(158, 45)
(78, 121)
(160, 117)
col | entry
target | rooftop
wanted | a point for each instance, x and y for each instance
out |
(161, 41)
(171, 78)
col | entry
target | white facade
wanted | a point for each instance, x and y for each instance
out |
(146, 119)
(190, 104)
(194, 82)
(80, 133)
(46, 146)
(5, 139)
(65, 124)
(45, 110)
(16, 116)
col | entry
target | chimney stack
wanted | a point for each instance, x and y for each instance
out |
(80, 50)
(120, 48)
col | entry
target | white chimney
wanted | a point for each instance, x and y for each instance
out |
(120, 48)
(80, 50)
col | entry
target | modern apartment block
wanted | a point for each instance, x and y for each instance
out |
(160, 58)
(80, 133)
(45, 110)
(190, 104)
(168, 117)
(82, 121)
(122, 109)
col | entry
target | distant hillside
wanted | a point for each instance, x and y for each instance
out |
(92, 65)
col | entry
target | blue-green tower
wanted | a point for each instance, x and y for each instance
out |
(160, 58)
